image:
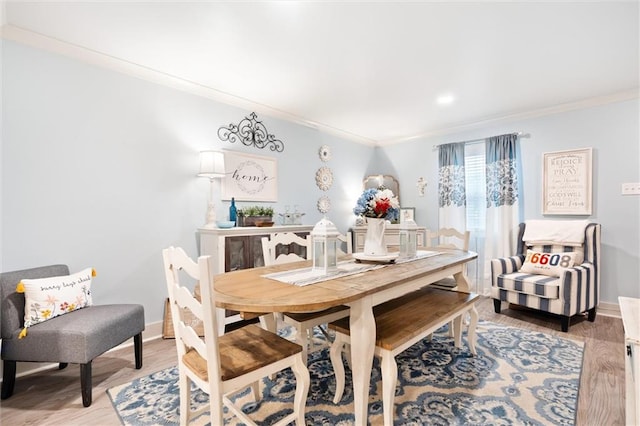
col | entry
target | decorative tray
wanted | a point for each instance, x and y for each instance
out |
(387, 258)
(264, 224)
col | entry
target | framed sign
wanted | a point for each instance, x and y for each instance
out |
(566, 186)
(407, 213)
(249, 177)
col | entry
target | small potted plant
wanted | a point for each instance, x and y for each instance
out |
(257, 216)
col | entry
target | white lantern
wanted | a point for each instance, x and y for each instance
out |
(408, 239)
(325, 247)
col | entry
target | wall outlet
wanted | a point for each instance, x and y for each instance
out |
(631, 188)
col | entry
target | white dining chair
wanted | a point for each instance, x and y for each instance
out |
(447, 238)
(223, 365)
(303, 322)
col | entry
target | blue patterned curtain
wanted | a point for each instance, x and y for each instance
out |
(451, 186)
(502, 176)
(503, 198)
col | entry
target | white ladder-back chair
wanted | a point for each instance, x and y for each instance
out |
(276, 248)
(222, 365)
(447, 238)
(347, 241)
(304, 322)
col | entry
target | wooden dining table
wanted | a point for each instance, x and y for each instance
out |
(249, 291)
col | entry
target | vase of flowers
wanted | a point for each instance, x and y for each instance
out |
(377, 205)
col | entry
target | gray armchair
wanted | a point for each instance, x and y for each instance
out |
(575, 291)
(76, 337)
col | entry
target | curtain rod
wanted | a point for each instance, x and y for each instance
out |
(520, 134)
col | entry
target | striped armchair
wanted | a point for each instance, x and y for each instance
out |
(576, 291)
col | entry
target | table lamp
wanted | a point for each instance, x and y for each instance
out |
(212, 167)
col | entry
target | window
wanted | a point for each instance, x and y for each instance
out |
(475, 182)
(475, 187)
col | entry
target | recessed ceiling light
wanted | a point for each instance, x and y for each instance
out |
(445, 99)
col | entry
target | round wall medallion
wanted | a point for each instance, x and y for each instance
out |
(324, 178)
(324, 153)
(324, 204)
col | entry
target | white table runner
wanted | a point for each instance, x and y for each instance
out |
(306, 276)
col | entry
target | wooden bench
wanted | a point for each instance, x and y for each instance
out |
(400, 323)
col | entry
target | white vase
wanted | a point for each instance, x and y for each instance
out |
(374, 244)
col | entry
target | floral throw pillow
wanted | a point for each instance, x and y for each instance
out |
(552, 264)
(47, 298)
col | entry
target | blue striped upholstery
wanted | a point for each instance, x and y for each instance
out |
(576, 291)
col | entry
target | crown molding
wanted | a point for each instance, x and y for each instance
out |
(625, 95)
(83, 54)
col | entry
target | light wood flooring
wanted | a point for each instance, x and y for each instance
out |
(53, 397)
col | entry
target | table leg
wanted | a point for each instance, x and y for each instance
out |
(362, 327)
(462, 281)
(269, 322)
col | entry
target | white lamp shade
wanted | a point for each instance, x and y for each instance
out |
(211, 164)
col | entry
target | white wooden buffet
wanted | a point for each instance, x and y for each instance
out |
(239, 248)
(630, 310)
(391, 236)
(218, 242)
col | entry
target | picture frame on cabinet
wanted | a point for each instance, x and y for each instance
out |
(250, 177)
(407, 213)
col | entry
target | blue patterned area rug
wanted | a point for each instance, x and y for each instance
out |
(518, 377)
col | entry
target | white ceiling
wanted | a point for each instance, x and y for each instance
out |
(368, 71)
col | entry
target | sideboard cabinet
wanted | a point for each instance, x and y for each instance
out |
(241, 248)
(630, 310)
(391, 236)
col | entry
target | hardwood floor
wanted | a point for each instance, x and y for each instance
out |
(53, 397)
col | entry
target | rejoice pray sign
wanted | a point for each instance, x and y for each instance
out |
(249, 177)
(567, 182)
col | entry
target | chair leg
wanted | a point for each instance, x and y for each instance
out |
(496, 305)
(137, 345)
(85, 383)
(591, 316)
(471, 335)
(303, 340)
(564, 323)
(8, 378)
(325, 333)
(335, 354)
(215, 402)
(457, 331)
(62, 365)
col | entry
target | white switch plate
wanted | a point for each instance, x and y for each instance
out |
(631, 188)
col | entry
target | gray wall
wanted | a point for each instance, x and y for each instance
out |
(611, 130)
(98, 169)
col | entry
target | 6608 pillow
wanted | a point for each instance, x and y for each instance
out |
(552, 264)
(46, 298)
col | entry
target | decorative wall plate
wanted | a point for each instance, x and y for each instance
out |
(324, 204)
(324, 178)
(324, 153)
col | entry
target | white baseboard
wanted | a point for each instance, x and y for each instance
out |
(609, 310)
(152, 331)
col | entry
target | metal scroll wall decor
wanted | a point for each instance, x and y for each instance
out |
(251, 132)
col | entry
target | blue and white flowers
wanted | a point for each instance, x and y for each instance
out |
(378, 203)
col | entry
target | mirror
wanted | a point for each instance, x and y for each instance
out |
(388, 181)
